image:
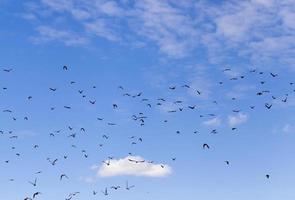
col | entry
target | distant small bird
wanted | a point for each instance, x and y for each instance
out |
(128, 187)
(268, 106)
(105, 192)
(35, 194)
(53, 89)
(63, 176)
(206, 146)
(7, 70)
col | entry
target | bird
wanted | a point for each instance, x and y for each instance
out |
(206, 146)
(268, 106)
(192, 107)
(105, 191)
(92, 102)
(273, 75)
(34, 183)
(53, 89)
(107, 162)
(63, 176)
(65, 67)
(7, 70)
(35, 194)
(115, 187)
(128, 187)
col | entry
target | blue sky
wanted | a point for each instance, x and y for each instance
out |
(146, 47)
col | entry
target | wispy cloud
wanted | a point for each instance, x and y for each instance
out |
(48, 34)
(259, 31)
(125, 167)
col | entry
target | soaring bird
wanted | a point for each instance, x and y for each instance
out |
(273, 75)
(7, 70)
(206, 146)
(63, 176)
(105, 191)
(35, 194)
(128, 187)
(115, 187)
(268, 106)
(53, 89)
(34, 183)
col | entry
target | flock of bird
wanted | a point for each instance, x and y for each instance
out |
(140, 118)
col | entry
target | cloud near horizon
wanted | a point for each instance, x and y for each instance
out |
(124, 167)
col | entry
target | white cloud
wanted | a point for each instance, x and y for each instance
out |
(125, 167)
(234, 120)
(213, 122)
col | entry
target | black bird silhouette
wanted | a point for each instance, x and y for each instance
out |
(206, 146)
(7, 70)
(285, 100)
(53, 89)
(128, 187)
(120, 87)
(63, 176)
(92, 102)
(34, 183)
(105, 191)
(268, 106)
(115, 187)
(187, 86)
(107, 162)
(192, 107)
(273, 75)
(35, 194)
